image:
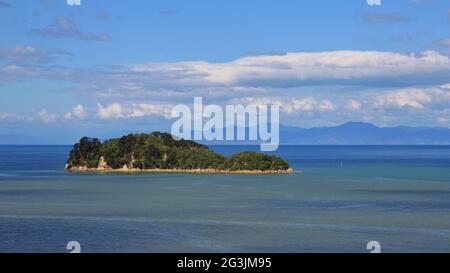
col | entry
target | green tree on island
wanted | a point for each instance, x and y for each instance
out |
(162, 151)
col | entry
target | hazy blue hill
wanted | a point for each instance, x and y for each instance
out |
(351, 133)
(355, 133)
(360, 133)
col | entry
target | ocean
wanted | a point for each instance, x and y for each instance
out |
(339, 199)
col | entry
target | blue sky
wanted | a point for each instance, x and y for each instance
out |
(111, 66)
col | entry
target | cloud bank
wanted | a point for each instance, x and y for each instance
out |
(332, 85)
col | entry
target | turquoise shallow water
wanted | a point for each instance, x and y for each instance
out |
(340, 198)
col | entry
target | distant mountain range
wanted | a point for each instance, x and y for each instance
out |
(351, 133)
(359, 133)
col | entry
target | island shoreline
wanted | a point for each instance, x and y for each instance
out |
(194, 171)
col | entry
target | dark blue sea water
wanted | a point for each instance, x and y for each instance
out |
(339, 198)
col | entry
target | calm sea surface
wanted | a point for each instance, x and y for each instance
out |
(341, 198)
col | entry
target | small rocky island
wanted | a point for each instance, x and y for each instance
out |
(160, 152)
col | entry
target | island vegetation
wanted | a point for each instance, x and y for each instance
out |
(160, 152)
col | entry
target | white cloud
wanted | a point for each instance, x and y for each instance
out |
(14, 72)
(414, 98)
(289, 106)
(7, 116)
(249, 75)
(23, 53)
(46, 116)
(117, 110)
(28, 54)
(113, 111)
(78, 112)
(326, 106)
(296, 105)
(298, 68)
(14, 117)
(109, 112)
(145, 109)
(353, 105)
